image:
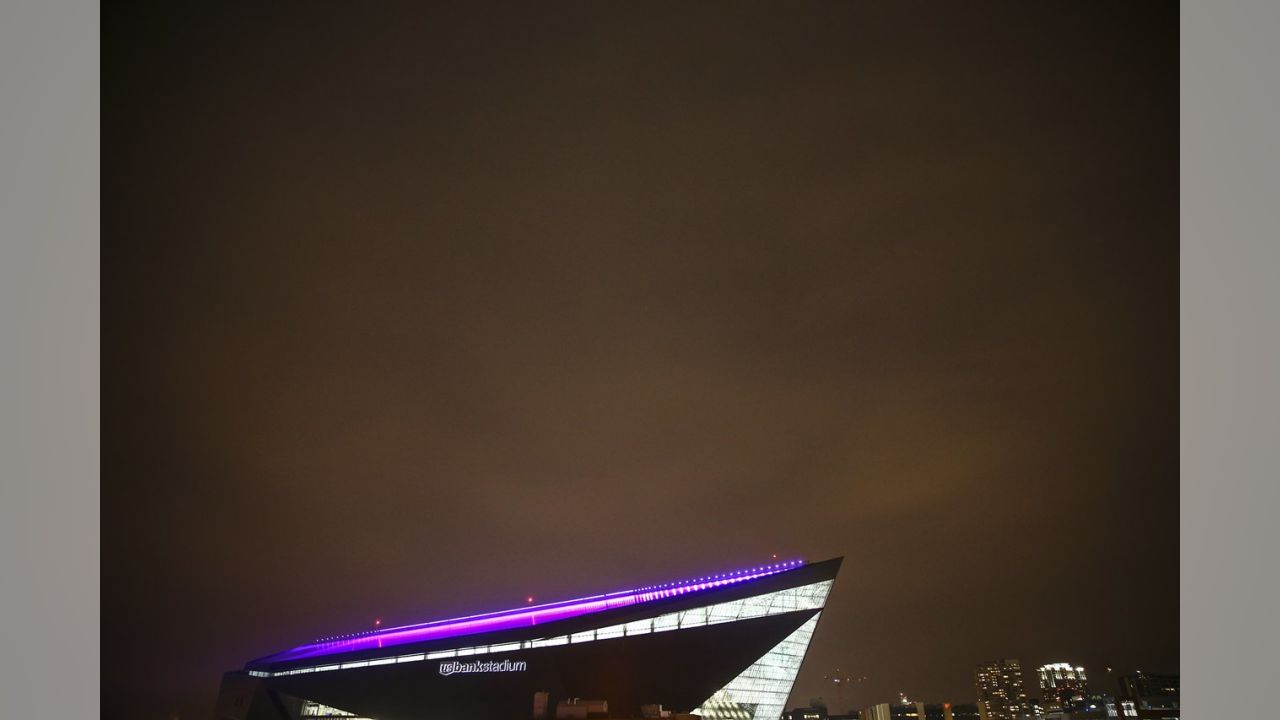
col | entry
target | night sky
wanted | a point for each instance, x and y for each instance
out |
(413, 311)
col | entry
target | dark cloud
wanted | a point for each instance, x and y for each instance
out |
(411, 311)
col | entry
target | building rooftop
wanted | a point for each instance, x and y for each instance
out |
(526, 616)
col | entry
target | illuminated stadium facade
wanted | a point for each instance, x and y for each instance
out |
(725, 646)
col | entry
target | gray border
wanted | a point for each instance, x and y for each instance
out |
(49, 650)
(49, 346)
(1230, 422)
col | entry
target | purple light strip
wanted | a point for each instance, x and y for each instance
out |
(521, 617)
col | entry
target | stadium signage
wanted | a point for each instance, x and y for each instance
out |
(453, 667)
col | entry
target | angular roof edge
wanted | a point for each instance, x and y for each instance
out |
(528, 617)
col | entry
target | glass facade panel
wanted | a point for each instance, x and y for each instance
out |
(548, 642)
(761, 691)
(696, 617)
(665, 622)
(639, 627)
(725, 612)
(612, 631)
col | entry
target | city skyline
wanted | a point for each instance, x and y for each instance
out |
(1115, 683)
(1111, 682)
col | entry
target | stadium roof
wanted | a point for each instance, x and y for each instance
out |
(526, 616)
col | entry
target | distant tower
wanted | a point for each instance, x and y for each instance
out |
(1150, 692)
(1000, 693)
(1062, 684)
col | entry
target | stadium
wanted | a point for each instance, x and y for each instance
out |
(726, 646)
